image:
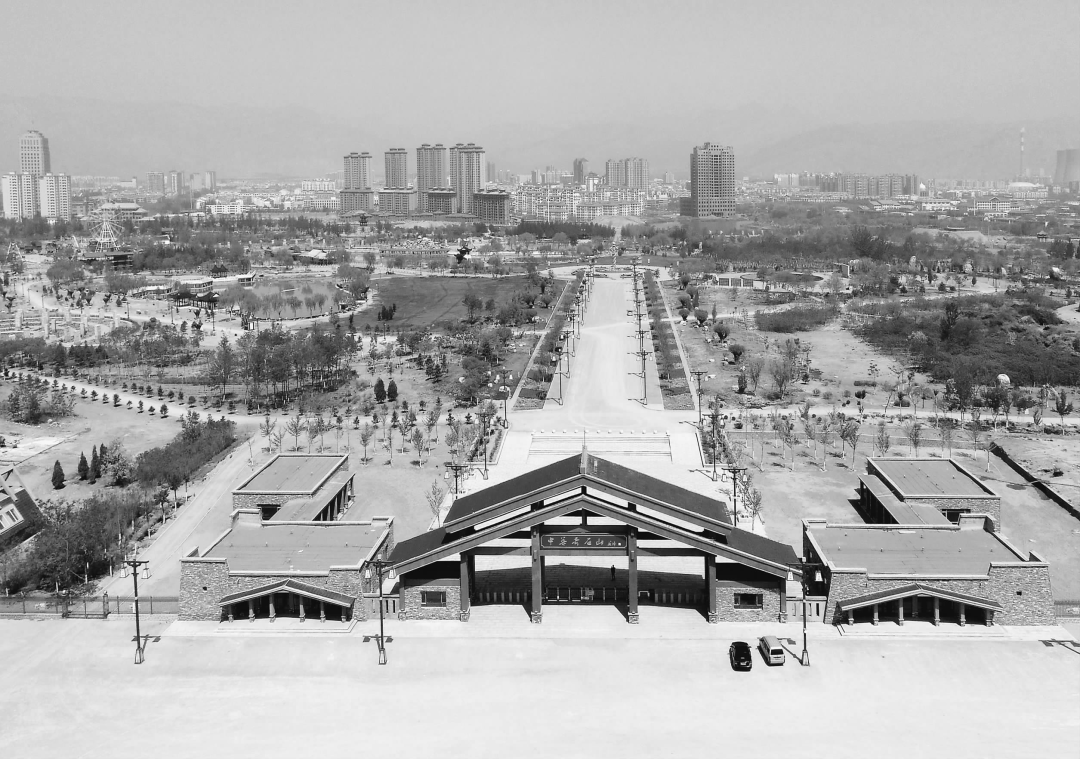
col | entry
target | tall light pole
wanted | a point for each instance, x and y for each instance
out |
(803, 567)
(381, 640)
(134, 563)
(698, 374)
(457, 469)
(485, 417)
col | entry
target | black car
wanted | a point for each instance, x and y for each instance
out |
(740, 655)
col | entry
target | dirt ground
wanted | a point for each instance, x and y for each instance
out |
(93, 424)
(1043, 455)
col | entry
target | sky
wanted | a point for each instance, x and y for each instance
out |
(467, 65)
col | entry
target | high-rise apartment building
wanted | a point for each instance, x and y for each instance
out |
(432, 170)
(466, 174)
(54, 194)
(356, 193)
(20, 195)
(581, 170)
(174, 183)
(203, 180)
(397, 169)
(712, 181)
(637, 173)
(491, 174)
(615, 173)
(34, 154)
(155, 182)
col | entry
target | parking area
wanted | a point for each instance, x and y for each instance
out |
(71, 690)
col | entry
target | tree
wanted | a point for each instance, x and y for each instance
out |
(366, 433)
(849, 434)
(1062, 407)
(84, 468)
(472, 303)
(737, 351)
(295, 426)
(434, 498)
(753, 504)
(782, 373)
(380, 391)
(391, 391)
(314, 430)
(95, 465)
(754, 367)
(881, 439)
(223, 364)
(418, 439)
(57, 476)
(914, 435)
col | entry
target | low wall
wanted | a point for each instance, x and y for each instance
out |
(1039, 485)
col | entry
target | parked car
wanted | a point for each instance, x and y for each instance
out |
(771, 650)
(740, 655)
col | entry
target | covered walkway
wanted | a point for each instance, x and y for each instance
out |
(917, 600)
(287, 598)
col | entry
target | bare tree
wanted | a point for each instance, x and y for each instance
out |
(913, 431)
(418, 440)
(1062, 407)
(825, 435)
(295, 427)
(434, 498)
(782, 373)
(849, 434)
(881, 439)
(366, 433)
(754, 367)
(753, 504)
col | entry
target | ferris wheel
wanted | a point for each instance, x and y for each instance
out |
(105, 230)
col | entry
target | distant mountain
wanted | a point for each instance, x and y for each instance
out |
(124, 139)
(927, 148)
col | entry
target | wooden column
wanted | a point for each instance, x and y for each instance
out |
(300, 600)
(900, 612)
(251, 610)
(989, 617)
(322, 611)
(537, 596)
(464, 589)
(273, 614)
(850, 617)
(937, 611)
(875, 621)
(631, 553)
(710, 588)
(230, 612)
(914, 607)
(963, 618)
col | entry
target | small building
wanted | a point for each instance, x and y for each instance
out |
(193, 285)
(954, 573)
(290, 550)
(219, 270)
(923, 491)
(298, 487)
(19, 514)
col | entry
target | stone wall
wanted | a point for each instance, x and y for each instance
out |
(770, 603)
(203, 583)
(409, 603)
(1035, 605)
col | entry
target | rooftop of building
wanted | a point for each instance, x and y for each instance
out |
(292, 473)
(292, 547)
(928, 477)
(930, 551)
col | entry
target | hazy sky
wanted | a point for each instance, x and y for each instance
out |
(472, 62)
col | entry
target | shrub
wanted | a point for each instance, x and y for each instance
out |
(797, 319)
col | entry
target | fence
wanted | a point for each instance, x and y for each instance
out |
(1067, 609)
(88, 607)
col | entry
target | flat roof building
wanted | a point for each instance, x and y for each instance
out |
(910, 490)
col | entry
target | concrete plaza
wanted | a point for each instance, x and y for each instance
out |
(71, 689)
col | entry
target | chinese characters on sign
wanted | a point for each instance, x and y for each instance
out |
(582, 540)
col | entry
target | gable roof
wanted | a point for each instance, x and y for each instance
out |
(582, 473)
(916, 589)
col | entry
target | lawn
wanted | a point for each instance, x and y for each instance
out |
(423, 301)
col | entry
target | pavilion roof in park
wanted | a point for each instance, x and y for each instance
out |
(598, 486)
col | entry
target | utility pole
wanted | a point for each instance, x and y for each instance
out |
(485, 417)
(457, 469)
(134, 563)
(698, 374)
(735, 472)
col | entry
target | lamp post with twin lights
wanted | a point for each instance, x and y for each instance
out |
(381, 640)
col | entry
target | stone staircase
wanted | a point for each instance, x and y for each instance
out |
(621, 443)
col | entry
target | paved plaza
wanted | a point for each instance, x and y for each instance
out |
(71, 689)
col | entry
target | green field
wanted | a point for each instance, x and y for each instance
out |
(423, 301)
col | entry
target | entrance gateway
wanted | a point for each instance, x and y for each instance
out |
(587, 530)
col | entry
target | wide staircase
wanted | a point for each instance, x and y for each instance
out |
(616, 443)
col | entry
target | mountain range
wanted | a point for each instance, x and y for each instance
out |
(126, 138)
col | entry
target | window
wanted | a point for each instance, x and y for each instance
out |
(433, 598)
(749, 600)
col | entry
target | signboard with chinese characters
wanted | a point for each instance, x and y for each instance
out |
(582, 540)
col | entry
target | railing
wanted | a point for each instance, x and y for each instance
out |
(1067, 609)
(86, 607)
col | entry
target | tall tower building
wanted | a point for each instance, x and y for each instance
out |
(397, 169)
(432, 170)
(491, 174)
(155, 182)
(20, 192)
(174, 183)
(581, 170)
(615, 173)
(466, 174)
(357, 171)
(712, 181)
(34, 154)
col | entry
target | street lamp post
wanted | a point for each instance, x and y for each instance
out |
(381, 640)
(716, 442)
(485, 417)
(803, 567)
(457, 469)
(698, 374)
(134, 563)
(735, 471)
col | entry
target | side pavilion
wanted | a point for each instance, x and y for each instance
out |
(497, 546)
